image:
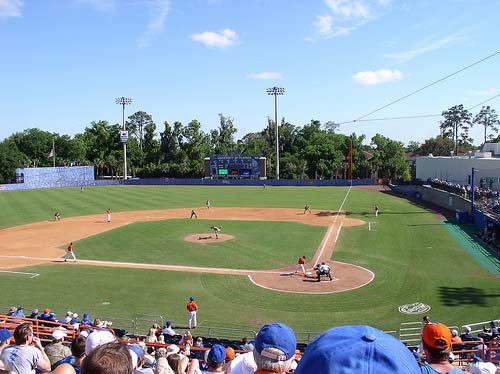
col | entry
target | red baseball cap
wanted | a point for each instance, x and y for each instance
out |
(437, 335)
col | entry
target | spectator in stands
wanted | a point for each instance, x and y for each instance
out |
(436, 339)
(186, 339)
(466, 336)
(86, 320)
(243, 363)
(138, 355)
(34, 314)
(45, 315)
(19, 312)
(67, 318)
(181, 364)
(168, 330)
(109, 358)
(480, 367)
(246, 345)
(72, 364)
(56, 350)
(12, 311)
(274, 349)
(490, 332)
(455, 339)
(215, 359)
(357, 349)
(27, 354)
(5, 336)
(151, 338)
(426, 320)
(98, 338)
(230, 354)
(198, 343)
(161, 364)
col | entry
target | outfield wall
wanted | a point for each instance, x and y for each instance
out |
(189, 182)
(250, 182)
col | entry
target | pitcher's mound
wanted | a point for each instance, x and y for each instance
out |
(204, 238)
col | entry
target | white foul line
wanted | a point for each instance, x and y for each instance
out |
(33, 275)
(332, 226)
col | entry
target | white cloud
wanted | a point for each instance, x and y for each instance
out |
(222, 39)
(346, 16)
(488, 92)
(10, 8)
(324, 24)
(159, 10)
(430, 47)
(264, 75)
(376, 77)
(349, 9)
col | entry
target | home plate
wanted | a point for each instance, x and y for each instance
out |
(308, 273)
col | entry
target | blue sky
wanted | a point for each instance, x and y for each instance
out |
(63, 62)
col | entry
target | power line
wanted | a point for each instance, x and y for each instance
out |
(414, 116)
(427, 86)
(485, 101)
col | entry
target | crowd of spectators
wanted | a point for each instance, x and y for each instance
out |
(97, 348)
(481, 191)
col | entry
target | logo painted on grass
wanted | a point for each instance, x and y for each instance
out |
(415, 308)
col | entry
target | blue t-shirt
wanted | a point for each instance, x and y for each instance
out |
(428, 369)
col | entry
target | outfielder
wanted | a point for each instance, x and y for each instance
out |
(70, 253)
(192, 308)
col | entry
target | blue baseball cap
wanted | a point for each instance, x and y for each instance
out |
(217, 353)
(279, 336)
(5, 335)
(191, 298)
(357, 350)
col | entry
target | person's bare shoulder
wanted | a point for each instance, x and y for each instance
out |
(64, 369)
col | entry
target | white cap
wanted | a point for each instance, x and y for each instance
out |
(59, 334)
(172, 348)
(98, 338)
(483, 368)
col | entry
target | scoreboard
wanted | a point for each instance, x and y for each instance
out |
(234, 166)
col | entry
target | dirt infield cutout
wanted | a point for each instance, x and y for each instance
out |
(17, 248)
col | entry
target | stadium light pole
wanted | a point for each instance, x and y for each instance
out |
(124, 137)
(275, 91)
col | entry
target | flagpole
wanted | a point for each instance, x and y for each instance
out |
(53, 153)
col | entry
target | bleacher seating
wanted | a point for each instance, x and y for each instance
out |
(464, 352)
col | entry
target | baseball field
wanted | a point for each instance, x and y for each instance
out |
(151, 257)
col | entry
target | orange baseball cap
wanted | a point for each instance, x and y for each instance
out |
(230, 353)
(437, 335)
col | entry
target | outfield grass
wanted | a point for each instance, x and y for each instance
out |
(411, 253)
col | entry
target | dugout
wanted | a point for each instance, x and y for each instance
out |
(235, 167)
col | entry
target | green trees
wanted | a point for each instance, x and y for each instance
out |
(313, 151)
(389, 158)
(456, 124)
(488, 118)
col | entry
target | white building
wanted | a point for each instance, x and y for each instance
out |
(458, 169)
